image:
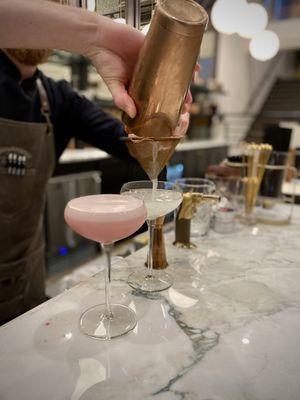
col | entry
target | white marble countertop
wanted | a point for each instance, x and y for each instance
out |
(91, 154)
(228, 329)
(79, 155)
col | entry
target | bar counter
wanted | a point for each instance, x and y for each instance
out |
(228, 329)
(89, 154)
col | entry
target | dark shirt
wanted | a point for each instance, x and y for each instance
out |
(72, 115)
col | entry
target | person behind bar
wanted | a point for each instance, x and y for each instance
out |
(38, 117)
(112, 48)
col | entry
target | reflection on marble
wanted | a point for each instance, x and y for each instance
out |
(228, 329)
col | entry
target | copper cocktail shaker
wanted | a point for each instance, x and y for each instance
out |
(161, 80)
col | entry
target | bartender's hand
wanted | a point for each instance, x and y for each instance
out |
(115, 59)
(115, 54)
(113, 48)
(116, 73)
(183, 125)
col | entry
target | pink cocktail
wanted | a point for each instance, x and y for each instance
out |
(106, 219)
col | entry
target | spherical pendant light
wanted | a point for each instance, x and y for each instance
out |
(255, 21)
(264, 46)
(227, 14)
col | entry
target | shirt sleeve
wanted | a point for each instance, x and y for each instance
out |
(75, 116)
(82, 119)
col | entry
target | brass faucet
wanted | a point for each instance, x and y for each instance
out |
(191, 201)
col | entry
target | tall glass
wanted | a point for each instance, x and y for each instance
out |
(159, 202)
(274, 205)
(228, 187)
(106, 219)
(201, 221)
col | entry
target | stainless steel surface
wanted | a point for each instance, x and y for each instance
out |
(88, 4)
(133, 13)
(76, 3)
(108, 7)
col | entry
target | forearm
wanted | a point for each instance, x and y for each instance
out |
(42, 24)
(112, 48)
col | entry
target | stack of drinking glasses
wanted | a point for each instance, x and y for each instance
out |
(225, 213)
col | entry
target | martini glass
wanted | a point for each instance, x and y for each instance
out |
(159, 202)
(106, 219)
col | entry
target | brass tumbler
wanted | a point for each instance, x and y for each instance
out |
(161, 80)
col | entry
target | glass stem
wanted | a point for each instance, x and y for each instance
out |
(107, 249)
(151, 225)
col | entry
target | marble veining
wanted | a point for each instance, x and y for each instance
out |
(228, 329)
(202, 342)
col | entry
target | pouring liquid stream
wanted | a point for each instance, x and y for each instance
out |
(154, 188)
(154, 162)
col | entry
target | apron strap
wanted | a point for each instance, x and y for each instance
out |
(45, 106)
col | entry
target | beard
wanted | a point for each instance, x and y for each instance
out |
(29, 56)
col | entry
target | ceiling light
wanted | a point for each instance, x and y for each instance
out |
(264, 46)
(227, 14)
(254, 21)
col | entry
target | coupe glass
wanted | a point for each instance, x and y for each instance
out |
(159, 202)
(106, 219)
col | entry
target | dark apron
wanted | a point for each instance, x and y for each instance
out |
(26, 163)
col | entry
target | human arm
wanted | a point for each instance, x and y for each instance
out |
(78, 117)
(113, 48)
